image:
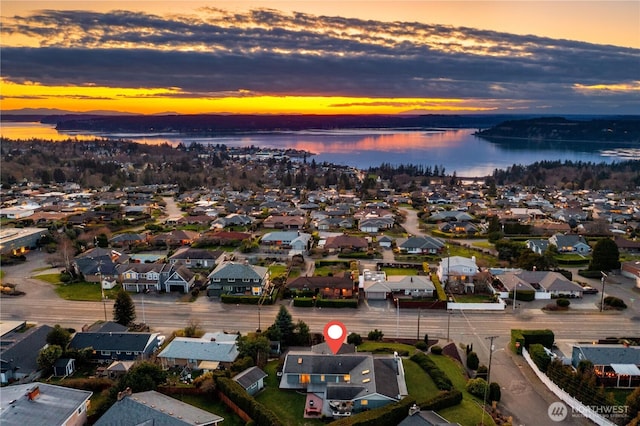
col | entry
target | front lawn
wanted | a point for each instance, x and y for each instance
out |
(82, 291)
(400, 271)
(419, 384)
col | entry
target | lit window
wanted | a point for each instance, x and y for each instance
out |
(364, 402)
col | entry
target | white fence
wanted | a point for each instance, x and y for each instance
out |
(575, 405)
(497, 306)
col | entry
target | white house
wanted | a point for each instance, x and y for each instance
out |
(457, 268)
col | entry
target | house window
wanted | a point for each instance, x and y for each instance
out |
(364, 402)
(305, 378)
(322, 378)
(128, 352)
(347, 378)
(117, 352)
(245, 280)
(105, 353)
(215, 280)
(231, 280)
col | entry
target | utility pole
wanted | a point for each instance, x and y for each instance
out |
(604, 278)
(486, 389)
(418, 332)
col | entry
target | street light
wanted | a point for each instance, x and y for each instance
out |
(604, 277)
(449, 313)
(395, 299)
(484, 400)
(418, 332)
(104, 303)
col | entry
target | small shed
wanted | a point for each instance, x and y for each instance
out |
(64, 367)
(251, 379)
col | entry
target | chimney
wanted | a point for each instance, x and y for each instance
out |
(33, 393)
(413, 410)
(126, 392)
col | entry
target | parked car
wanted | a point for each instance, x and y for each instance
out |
(589, 290)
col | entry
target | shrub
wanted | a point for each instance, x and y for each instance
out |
(494, 392)
(436, 350)
(563, 303)
(421, 345)
(65, 278)
(473, 361)
(444, 399)
(375, 335)
(482, 372)
(354, 339)
(477, 387)
(615, 302)
(539, 356)
(439, 377)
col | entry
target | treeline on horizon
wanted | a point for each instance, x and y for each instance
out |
(94, 164)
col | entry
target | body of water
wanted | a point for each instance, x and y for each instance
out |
(456, 149)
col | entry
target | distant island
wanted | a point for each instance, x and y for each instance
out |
(548, 129)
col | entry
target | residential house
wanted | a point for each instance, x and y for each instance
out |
(116, 346)
(19, 351)
(196, 258)
(209, 352)
(537, 246)
(334, 287)
(99, 265)
(128, 240)
(238, 278)
(232, 219)
(386, 241)
(417, 417)
(458, 271)
(117, 369)
(180, 279)
(628, 246)
(225, 238)
(341, 243)
(284, 222)
(339, 385)
(422, 245)
(295, 242)
(546, 284)
(329, 223)
(450, 215)
(138, 277)
(382, 286)
(251, 379)
(615, 365)
(631, 269)
(175, 238)
(570, 243)
(43, 404)
(459, 228)
(155, 408)
(375, 225)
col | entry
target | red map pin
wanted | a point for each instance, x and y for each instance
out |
(334, 334)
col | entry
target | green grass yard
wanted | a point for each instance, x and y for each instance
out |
(82, 291)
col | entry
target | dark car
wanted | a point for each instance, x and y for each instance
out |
(589, 290)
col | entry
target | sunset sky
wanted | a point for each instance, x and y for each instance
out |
(324, 57)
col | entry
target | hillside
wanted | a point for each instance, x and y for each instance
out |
(621, 129)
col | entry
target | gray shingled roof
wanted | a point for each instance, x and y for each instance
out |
(200, 349)
(126, 342)
(605, 355)
(238, 271)
(23, 354)
(249, 376)
(53, 405)
(154, 408)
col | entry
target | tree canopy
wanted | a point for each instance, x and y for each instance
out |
(124, 311)
(605, 256)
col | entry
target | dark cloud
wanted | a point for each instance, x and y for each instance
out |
(267, 52)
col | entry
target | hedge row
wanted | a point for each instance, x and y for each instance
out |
(539, 356)
(390, 414)
(261, 415)
(439, 377)
(358, 255)
(444, 399)
(321, 263)
(524, 295)
(337, 303)
(244, 300)
(589, 274)
(526, 338)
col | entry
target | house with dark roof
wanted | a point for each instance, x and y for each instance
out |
(116, 346)
(175, 238)
(196, 258)
(546, 284)
(238, 278)
(251, 379)
(64, 367)
(344, 384)
(19, 354)
(180, 279)
(327, 287)
(154, 408)
(374, 225)
(615, 365)
(570, 243)
(422, 245)
(43, 404)
(138, 277)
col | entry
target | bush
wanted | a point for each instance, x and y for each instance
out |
(436, 350)
(473, 361)
(421, 345)
(354, 339)
(303, 302)
(375, 335)
(563, 303)
(477, 387)
(482, 372)
(615, 302)
(539, 356)
(439, 377)
(444, 399)
(337, 303)
(65, 277)
(494, 392)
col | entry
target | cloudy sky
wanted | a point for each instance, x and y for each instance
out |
(322, 57)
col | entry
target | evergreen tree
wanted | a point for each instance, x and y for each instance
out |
(284, 323)
(48, 356)
(606, 256)
(124, 311)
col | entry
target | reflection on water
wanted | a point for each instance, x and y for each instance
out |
(455, 150)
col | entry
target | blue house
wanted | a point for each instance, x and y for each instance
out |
(116, 346)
